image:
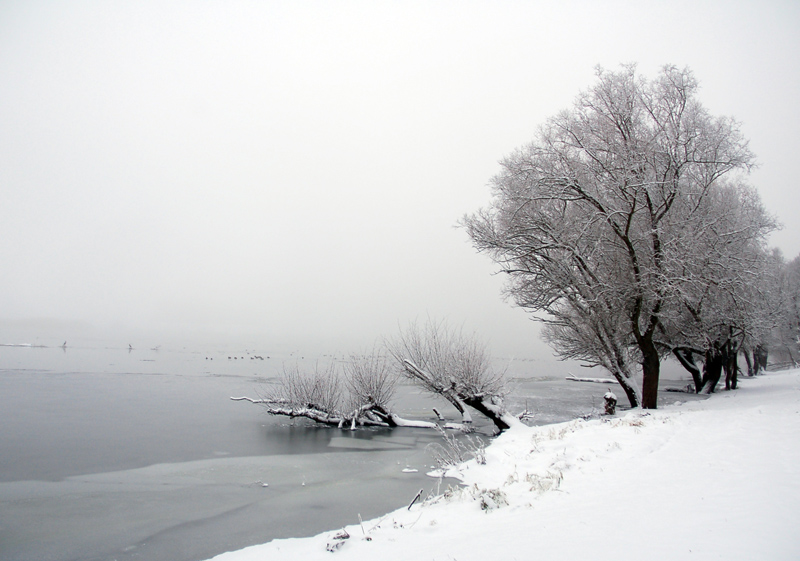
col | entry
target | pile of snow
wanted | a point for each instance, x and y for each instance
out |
(714, 479)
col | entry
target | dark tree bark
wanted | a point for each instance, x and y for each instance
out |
(731, 365)
(651, 368)
(497, 415)
(630, 391)
(750, 371)
(712, 369)
(488, 405)
(686, 358)
(760, 358)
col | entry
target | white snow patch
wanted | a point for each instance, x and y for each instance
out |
(714, 479)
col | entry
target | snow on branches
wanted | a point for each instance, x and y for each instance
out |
(360, 390)
(360, 395)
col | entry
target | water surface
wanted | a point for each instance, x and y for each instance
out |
(111, 452)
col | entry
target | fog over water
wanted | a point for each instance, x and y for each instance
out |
(138, 453)
(292, 172)
(186, 181)
(112, 452)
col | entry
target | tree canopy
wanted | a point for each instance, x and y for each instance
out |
(627, 227)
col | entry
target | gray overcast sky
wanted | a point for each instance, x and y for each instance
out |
(295, 170)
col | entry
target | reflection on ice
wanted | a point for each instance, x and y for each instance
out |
(375, 443)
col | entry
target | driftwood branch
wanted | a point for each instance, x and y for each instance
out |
(572, 378)
(448, 392)
(415, 499)
(359, 392)
(251, 400)
(369, 414)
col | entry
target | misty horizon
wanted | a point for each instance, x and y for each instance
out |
(295, 173)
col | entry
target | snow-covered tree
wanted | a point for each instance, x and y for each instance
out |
(359, 391)
(784, 338)
(356, 393)
(791, 323)
(588, 220)
(724, 294)
(447, 362)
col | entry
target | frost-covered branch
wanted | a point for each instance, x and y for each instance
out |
(358, 396)
(455, 366)
(626, 218)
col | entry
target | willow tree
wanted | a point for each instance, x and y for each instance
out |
(586, 220)
(456, 366)
(789, 326)
(356, 393)
(726, 289)
(360, 391)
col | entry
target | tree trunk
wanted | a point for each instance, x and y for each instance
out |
(686, 358)
(712, 369)
(651, 368)
(731, 366)
(495, 414)
(460, 406)
(630, 389)
(749, 362)
(760, 357)
(792, 358)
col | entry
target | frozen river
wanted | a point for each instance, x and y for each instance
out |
(117, 453)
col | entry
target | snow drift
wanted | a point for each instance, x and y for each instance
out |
(713, 479)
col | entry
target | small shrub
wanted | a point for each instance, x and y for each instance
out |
(455, 451)
(542, 483)
(492, 498)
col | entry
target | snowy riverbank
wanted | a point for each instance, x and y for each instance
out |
(714, 479)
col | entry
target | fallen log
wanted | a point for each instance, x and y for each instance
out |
(573, 378)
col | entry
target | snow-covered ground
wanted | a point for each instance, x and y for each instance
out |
(714, 479)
